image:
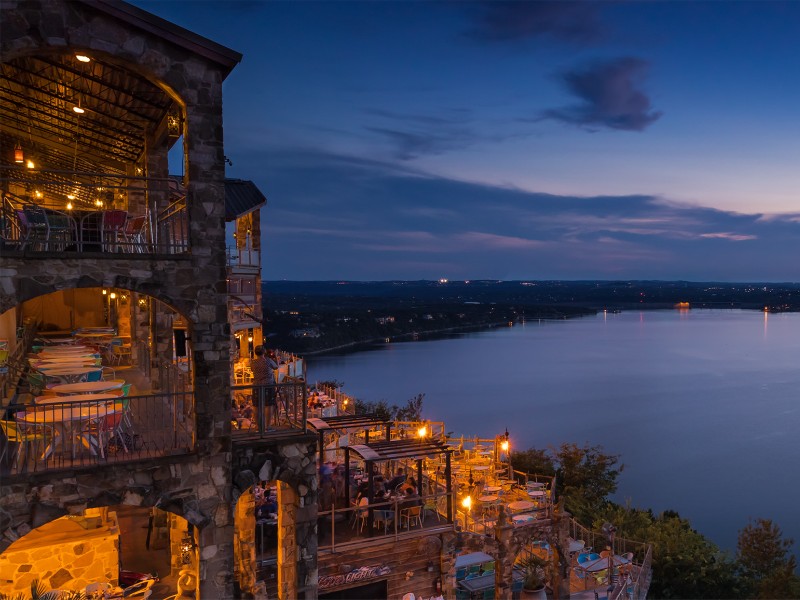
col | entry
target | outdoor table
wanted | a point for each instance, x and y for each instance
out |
(73, 398)
(484, 582)
(86, 387)
(473, 558)
(576, 546)
(60, 340)
(521, 505)
(536, 493)
(487, 498)
(535, 484)
(521, 519)
(492, 488)
(69, 419)
(69, 374)
(480, 468)
(601, 564)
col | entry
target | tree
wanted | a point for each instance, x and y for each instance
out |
(765, 560)
(533, 461)
(412, 411)
(585, 477)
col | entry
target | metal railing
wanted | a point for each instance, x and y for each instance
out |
(267, 410)
(16, 363)
(33, 227)
(243, 257)
(637, 570)
(344, 404)
(393, 519)
(58, 433)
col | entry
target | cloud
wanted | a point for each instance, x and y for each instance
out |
(339, 217)
(502, 21)
(413, 144)
(610, 94)
(734, 237)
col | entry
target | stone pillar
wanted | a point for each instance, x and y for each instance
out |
(244, 541)
(559, 542)
(287, 543)
(504, 557)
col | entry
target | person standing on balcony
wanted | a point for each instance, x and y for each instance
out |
(264, 369)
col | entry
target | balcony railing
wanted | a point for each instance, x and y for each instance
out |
(243, 257)
(60, 434)
(33, 229)
(269, 410)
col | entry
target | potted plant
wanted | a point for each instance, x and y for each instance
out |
(533, 568)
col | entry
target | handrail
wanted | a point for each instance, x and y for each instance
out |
(255, 407)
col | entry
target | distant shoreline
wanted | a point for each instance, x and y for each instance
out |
(359, 345)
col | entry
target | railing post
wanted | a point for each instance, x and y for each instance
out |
(259, 390)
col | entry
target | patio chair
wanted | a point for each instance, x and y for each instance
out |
(26, 435)
(461, 573)
(33, 225)
(488, 593)
(140, 589)
(411, 515)
(431, 506)
(385, 518)
(61, 230)
(134, 234)
(473, 570)
(112, 230)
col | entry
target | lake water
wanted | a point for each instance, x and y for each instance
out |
(702, 405)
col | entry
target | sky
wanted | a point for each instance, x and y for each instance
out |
(515, 140)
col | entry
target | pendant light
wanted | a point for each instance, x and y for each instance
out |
(19, 156)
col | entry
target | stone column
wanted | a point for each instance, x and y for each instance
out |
(504, 557)
(244, 540)
(287, 543)
(561, 563)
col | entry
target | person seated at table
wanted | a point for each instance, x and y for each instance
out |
(399, 478)
(380, 497)
(410, 499)
(411, 484)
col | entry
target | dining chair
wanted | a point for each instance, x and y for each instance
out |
(134, 234)
(113, 230)
(411, 515)
(33, 221)
(385, 518)
(26, 435)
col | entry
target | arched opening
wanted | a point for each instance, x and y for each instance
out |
(85, 161)
(92, 376)
(265, 540)
(111, 548)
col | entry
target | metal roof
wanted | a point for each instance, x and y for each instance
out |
(397, 449)
(348, 421)
(241, 197)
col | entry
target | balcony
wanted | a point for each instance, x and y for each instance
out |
(60, 433)
(244, 260)
(268, 411)
(30, 229)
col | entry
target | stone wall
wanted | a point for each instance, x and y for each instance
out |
(194, 285)
(292, 463)
(62, 555)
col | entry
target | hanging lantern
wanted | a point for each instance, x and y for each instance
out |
(19, 156)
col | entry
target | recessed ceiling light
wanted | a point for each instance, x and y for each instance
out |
(83, 58)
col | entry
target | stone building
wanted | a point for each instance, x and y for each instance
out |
(93, 236)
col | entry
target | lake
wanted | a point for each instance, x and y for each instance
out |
(702, 405)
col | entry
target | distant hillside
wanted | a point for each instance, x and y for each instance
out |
(314, 316)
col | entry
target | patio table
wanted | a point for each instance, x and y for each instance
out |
(535, 484)
(492, 488)
(73, 398)
(472, 558)
(70, 374)
(521, 519)
(480, 468)
(601, 564)
(521, 505)
(576, 546)
(484, 582)
(487, 498)
(536, 493)
(86, 387)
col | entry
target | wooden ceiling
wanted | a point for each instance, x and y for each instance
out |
(122, 113)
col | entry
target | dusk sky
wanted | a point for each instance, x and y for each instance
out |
(515, 140)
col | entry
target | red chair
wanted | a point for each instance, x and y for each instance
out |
(134, 234)
(113, 230)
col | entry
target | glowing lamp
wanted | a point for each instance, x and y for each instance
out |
(78, 110)
(19, 156)
(504, 445)
(69, 205)
(83, 58)
(249, 338)
(105, 292)
(30, 164)
(467, 502)
(113, 296)
(422, 432)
